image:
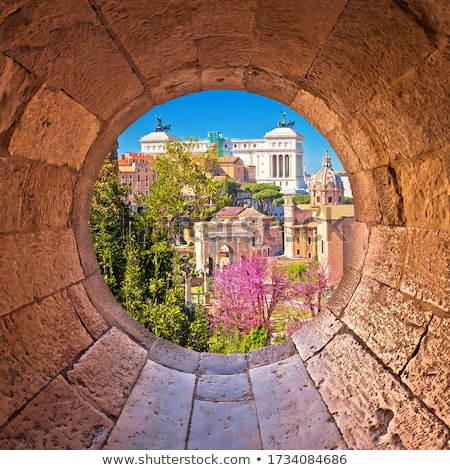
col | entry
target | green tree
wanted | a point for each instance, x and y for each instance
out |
(183, 188)
(264, 193)
(109, 217)
(301, 199)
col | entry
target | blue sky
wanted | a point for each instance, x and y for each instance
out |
(237, 114)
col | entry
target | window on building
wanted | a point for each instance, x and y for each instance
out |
(309, 255)
(330, 199)
(298, 252)
(318, 199)
(309, 240)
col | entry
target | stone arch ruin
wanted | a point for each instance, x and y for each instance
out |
(369, 373)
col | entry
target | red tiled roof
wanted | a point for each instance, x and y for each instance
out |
(230, 211)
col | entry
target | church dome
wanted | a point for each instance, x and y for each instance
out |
(326, 187)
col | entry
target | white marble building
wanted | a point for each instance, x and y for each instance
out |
(277, 157)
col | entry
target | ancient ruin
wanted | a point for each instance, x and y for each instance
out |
(369, 373)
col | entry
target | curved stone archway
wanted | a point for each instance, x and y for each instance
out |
(372, 77)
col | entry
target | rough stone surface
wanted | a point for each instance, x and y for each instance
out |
(17, 85)
(57, 419)
(89, 316)
(174, 356)
(370, 407)
(222, 364)
(45, 261)
(427, 374)
(274, 353)
(372, 77)
(36, 343)
(344, 291)
(386, 254)
(292, 393)
(427, 267)
(49, 41)
(223, 387)
(392, 324)
(316, 334)
(107, 372)
(51, 113)
(228, 426)
(156, 415)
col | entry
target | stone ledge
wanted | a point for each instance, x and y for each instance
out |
(274, 353)
(171, 355)
(371, 408)
(315, 334)
(222, 363)
(57, 419)
(106, 373)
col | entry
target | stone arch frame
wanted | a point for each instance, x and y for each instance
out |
(386, 326)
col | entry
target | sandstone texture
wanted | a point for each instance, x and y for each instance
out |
(371, 371)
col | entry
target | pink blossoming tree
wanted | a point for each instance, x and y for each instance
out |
(257, 291)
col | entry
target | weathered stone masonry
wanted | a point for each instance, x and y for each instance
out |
(369, 373)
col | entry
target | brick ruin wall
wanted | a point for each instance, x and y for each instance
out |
(372, 77)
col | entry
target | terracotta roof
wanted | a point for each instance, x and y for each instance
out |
(230, 211)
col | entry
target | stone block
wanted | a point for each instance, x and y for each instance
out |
(360, 244)
(388, 322)
(11, 189)
(389, 195)
(222, 363)
(57, 419)
(358, 133)
(427, 373)
(87, 313)
(292, 45)
(291, 412)
(386, 254)
(224, 426)
(344, 291)
(106, 373)
(169, 29)
(36, 344)
(367, 208)
(274, 353)
(315, 334)
(43, 261)
(425, 195)
(224, 79)
(173, 85)
(156, 415)
(171, 355)
(369, 405)
(17, 86)
(54, 129)
(211, 387)
(367, 30)
(398, 114)
(212, 19)
(236, 52)
(426, 271)
(47, 196)
(70, 48)
(271, 86)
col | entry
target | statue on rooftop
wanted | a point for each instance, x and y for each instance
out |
(283, 122)
(159, 127)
